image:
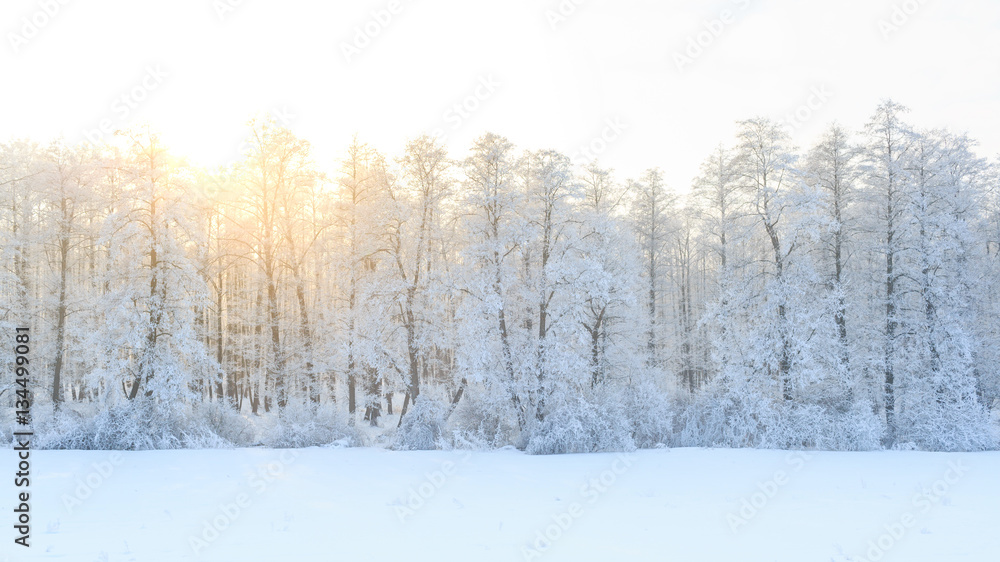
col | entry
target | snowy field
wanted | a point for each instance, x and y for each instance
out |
(328, 504)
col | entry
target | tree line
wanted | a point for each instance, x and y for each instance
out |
(841, 296)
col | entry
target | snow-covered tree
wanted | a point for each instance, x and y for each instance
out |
(148, 341)
(887, 144)
(653, 219)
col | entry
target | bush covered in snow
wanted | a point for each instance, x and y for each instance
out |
(649, 413)
(133, 426)
(141, 425)
(423, 426)
(482, 423)
(303, 428)
(949, 425)
(577, 425)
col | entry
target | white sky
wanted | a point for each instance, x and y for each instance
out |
(609, 60)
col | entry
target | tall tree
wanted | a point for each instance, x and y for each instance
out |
(69, 180)
(607, 275)
(652, 214)
(767, 173)
(415, 223)
(887, 144)
(548, 216)
(495, 233)
(364, 184)
(275, 172)
(155, 287)
(832, 165)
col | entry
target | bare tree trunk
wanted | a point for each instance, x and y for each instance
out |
(61, 307)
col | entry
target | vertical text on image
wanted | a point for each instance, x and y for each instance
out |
(22, 439)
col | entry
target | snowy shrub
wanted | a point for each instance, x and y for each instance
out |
(219, 421)
(65, 429)
(947, 425)
(717, 419)
(125, 426)
(302, 428)
(729, 413)
(798, 426)
(132, 427)
(995, 426)
(202, 438)
(699, 423)
(580, 426)
(482, 424)
(649, 414)
(461, 439)
(423, 426)
(138, 425)
(142, 424)
(858, 429)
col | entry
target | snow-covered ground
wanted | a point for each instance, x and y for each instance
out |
(329, 504)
